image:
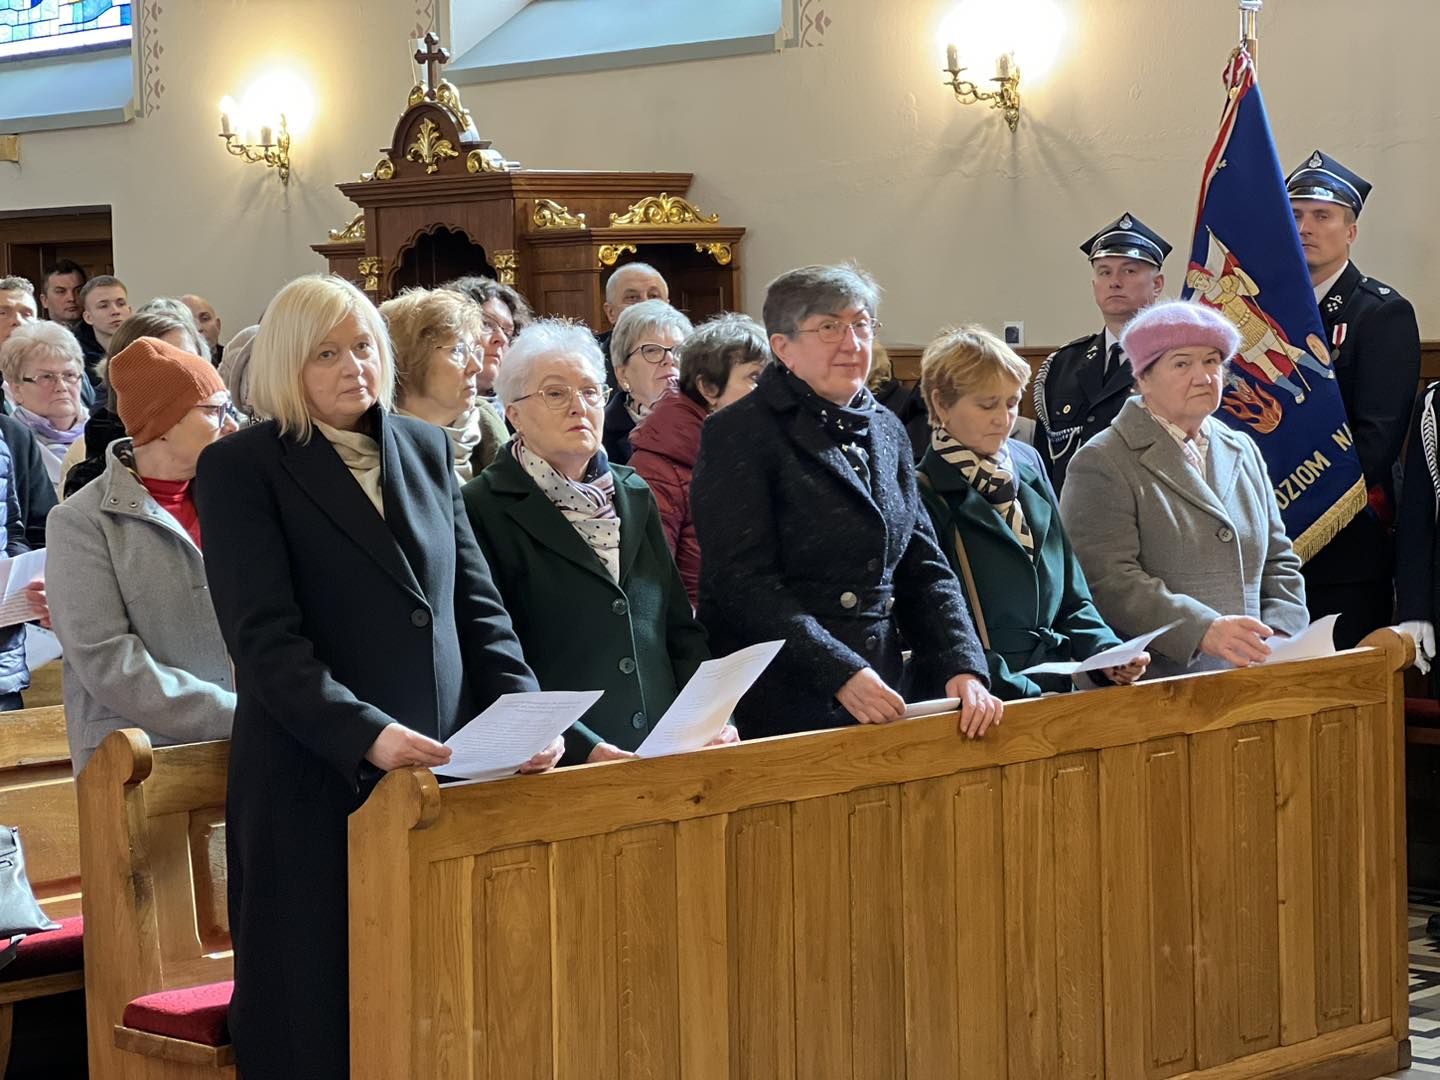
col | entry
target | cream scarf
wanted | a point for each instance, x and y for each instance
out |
(361, 455)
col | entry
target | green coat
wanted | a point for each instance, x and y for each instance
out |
(1036, 611)
(638, 641)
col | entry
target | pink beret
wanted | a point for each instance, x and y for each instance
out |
(1176, 324)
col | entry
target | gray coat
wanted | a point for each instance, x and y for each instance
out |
(1160, 544)
(131, 606)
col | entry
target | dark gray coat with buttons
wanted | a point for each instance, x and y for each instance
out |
(1158, 544)
(339, 622)
(797, 548)
(636, 640)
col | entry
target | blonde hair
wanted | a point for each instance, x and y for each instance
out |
(966, 359)
(36, 341)
(418, 321)
(295, 323)
(881, 369)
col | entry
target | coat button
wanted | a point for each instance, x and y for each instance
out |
(872, 643)
(420, 617)
(889, 604)
(873, 565)
(848, 600)
(1225, 535)
(619, 607)
(637, 721)
(627, 666)
(1090, 419)
(1065, 409)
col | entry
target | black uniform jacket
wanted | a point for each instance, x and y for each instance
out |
(1075, 402)
(797, 548)
(1377, 364)
(338, 622)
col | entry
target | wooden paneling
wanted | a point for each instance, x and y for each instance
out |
(1188, 878)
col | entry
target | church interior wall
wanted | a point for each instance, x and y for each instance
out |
(846, 145)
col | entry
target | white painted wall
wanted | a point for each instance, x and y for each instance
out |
(852, 149)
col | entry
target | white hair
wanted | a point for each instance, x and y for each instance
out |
(638, 320)
(615, 285)
(38, 341)
(545, 339)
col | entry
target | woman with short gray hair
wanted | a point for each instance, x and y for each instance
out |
(44, 367)
(806, 506)
(643, 352)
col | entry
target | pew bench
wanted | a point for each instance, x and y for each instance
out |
(158, 965)
(37, 794)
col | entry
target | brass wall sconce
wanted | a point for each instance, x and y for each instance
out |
(1005, 96)
(269, 143)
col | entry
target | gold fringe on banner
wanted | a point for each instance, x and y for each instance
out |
(1327, 525)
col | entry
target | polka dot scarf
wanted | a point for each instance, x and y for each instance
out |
(588, 505)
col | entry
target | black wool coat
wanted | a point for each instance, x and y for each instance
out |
(338, 622)
(797, 548)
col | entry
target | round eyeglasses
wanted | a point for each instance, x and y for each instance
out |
(559, 398)
(833, 331)
(655, 354)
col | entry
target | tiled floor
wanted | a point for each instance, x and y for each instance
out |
(1424, 998)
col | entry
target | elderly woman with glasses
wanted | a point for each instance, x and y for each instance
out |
(437, 334)
(127, 573)
(43, 368)
(807, 509)
(578, 551)
(644, 351)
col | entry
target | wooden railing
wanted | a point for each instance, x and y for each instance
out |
(1198, 877)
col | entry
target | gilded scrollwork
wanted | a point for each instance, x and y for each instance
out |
(663, 209)
(720, 252)
(609, 253)
(369, 268)
(355, 230)
(505, 267)
(549, 214)
(430, 147)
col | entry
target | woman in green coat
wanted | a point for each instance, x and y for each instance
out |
(577, 549)
(999, 524)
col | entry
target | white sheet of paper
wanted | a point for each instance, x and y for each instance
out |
(18, 573)
(41, 647)
(699, 712)
(1115, 656)
(934, 707)
(1317, 639)
(512, 731)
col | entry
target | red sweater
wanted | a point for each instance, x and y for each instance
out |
(175, 498)
(665, 446)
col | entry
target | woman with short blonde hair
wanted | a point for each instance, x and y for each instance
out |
(364, 628)
(998, 522)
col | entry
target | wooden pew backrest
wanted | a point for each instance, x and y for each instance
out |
(37, 793)
(1199, 876)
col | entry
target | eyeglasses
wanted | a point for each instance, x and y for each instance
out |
(559, 398)
(51, 379)
(218, 414)
(461, 353)
(833, 331)
(493, 328)
(655, 354)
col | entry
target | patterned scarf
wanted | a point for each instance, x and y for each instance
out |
(588, 505)
(993, 477)
(634, 407)
(1195, 450)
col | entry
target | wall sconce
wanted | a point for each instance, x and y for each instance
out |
(1005, 96)
(277, 105)
(270, 142)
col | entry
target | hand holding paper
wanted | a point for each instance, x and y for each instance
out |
(19, 573)
(1317, 639)
(698, 714)
(1115, 656)
(513, 730)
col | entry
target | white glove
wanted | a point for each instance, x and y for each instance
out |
(1423, 634)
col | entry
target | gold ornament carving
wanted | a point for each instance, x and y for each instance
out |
(663, 209)
(487, 160)
(384, 170)
(429, 147)
(549, 214)
(610, 252)
(721, 253)
(505, 266)
(355, 230)
(369, 267)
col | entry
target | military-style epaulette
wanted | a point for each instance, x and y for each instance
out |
(1379, 288)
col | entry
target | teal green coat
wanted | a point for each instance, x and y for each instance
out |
(638, 641)
(1036, 611)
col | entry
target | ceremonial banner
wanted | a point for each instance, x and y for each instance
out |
(1247, 263)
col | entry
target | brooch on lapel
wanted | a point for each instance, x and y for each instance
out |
(1337, 336)
(1332, 303)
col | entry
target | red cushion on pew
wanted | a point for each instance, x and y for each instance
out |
(1423, 712)
(197, 1013)
(49, 952)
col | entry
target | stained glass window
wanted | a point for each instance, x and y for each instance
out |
(47, 26)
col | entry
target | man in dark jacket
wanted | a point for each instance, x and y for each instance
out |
(29, 479)
(1375, 342)
(14, 674)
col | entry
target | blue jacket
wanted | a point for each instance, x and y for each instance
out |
(14, 674)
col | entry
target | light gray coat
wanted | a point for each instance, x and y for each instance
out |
(131, 606)
(1158, 543)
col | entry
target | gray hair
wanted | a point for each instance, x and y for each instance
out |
(34, 340)
(168, 305)
(715, 348)
(545, 339)
(235, 368)
(796, 295)
(17, 284)
(616, 279)
(640, 319)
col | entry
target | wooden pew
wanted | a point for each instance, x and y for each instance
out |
(1200, 877)
(37, 794)
(152, 854)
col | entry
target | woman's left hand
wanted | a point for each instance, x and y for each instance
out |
(1128, 673)
(729, 736)
(546, 759)
(979, 708)
(35, 591)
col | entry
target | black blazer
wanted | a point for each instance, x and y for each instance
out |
(1074, 401)
(338, 623)
(796, 548)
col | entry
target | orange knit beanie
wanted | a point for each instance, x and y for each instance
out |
(156, 384)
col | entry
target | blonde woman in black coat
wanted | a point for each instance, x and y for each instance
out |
(806, 506)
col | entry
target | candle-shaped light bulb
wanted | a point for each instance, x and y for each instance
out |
(1004, 65)
(952, 58)
(267, 136)
(227, 110)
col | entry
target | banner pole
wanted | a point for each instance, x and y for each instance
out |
(1249, 19)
